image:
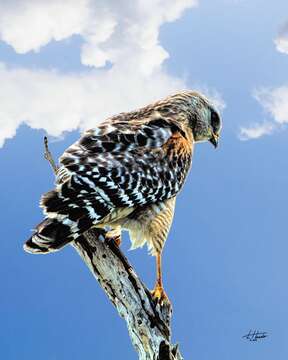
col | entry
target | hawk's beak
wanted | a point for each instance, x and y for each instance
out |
(214, 140)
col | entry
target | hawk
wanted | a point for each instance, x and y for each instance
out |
(126, 174)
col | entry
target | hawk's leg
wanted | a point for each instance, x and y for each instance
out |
(115, 234)
(152, 224)
(158, 291)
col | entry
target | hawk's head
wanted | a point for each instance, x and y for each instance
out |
(204, 119)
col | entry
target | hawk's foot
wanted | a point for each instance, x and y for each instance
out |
(114, 235)
(117, 240)
(160, 296)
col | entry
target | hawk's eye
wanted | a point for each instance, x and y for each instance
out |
(215, 120)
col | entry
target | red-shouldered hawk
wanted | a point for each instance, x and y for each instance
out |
(125, 174)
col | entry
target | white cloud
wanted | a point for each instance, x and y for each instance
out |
(57, 102)
(275, 103)
(255, 131)
(112, 30)
(281, 40)
(29, 24)
(273, 100)
(122, 32)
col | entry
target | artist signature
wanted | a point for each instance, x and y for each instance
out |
(255, 335)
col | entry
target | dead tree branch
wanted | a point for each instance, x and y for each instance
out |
(149, 324)
(48, 156)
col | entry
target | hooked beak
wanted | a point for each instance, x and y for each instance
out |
(214, 140)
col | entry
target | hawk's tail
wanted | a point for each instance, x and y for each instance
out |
(50, 235)
(67, 219)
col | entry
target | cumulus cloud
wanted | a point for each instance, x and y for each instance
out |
(255, 131)
(122, 33)
(29, 24)
(56, 102)
(275, 104)
(59, 102)
(281, 40)
(112, 30)
(273, 100)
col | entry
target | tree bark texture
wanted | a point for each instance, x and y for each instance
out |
(149, 324)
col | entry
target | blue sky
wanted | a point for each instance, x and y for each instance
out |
(225, 262)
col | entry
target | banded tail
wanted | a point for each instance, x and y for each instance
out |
(67, 219)
(50, 235)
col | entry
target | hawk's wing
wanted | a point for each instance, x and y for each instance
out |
(121, 163)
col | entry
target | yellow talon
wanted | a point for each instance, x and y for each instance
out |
(159, 294)
(115, 235)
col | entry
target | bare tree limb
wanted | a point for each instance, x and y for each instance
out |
(149, 324)
(48, 156)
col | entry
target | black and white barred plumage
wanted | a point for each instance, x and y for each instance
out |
(128, 163)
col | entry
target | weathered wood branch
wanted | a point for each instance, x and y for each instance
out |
(149, 324)
(48, 156)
